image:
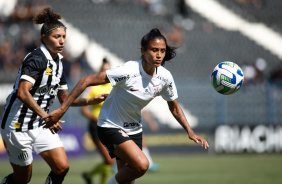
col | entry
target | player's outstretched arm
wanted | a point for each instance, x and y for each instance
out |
(91, 80)
(150, 120)
(63, 94)
(178, 114)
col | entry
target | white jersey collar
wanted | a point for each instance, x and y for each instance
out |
(143, 71)
(47, 53)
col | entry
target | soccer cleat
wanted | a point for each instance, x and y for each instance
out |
(154, 168)
(4, 181)
(86, 178)
(8, 179)
(114, 168)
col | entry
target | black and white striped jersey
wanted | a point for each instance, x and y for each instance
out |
(47, 77)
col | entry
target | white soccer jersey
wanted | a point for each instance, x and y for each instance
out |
(132, 90)
(47, 78)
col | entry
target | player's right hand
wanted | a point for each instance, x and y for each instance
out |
(197, 139)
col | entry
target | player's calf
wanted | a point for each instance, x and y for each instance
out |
(55, 178)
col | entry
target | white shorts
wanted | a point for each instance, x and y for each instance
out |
(19, 145)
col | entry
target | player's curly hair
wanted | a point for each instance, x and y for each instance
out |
(49, 19)
(153, 34)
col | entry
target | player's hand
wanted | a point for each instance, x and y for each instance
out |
(154, 127)
(56, 127)
(53, 118)
(98, 99)
(198, 140)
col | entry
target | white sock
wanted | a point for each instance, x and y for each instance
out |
(147, 153)
(113, 180)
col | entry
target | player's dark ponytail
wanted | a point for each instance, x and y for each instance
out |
(49, 19)
(153, 34)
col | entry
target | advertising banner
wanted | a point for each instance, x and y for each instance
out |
(256, 139)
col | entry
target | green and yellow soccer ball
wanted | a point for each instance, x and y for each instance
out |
(227, 78)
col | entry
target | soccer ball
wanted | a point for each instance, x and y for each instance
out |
(227, 78)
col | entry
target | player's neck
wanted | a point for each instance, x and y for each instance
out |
(150, 70)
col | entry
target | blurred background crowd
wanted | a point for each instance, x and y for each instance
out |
(206, 32)
(118, 26)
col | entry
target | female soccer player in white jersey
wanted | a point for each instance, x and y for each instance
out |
(135, 84)
(40, 79)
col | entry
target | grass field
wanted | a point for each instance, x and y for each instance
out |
(182, 169)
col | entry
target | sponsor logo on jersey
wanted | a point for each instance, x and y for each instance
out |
(133, 124)
(161, 78)
(17, 125)
(123, 133)
(48, 71)
(132, 89)
(136, 75)
(146, 91)
(43, 90)
(51, 90)
(117, 79)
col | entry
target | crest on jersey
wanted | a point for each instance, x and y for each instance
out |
(43, 90)
(157, 91)
(123, 133)
(48, 71)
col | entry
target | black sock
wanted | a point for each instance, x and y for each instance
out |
(9, 179)
(54, 178)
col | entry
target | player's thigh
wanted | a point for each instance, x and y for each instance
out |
(18, 146)
(22, 173)
(57, 160)
(131, 154)
(120, 164)
(50, 147)
(104, 152)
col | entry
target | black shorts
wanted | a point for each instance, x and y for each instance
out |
(111, 137)
(92, 128)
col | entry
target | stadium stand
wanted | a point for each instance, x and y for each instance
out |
(119, 25)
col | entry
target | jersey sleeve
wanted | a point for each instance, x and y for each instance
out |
(63, 82)
(118, 75)
(32, 68)
(169, 92)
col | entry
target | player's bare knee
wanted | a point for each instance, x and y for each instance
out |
(62, 170)
(142, 167)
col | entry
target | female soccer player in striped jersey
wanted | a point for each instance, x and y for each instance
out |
(40, 79)
(135, 84)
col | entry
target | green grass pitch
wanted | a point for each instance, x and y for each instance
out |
(181, 169)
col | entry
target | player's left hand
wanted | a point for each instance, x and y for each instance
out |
(56, 127)
(198, 140)
(53, 118)
(98, 99)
